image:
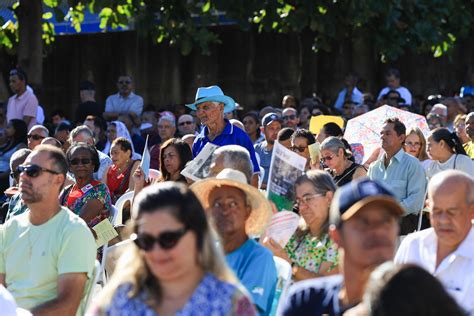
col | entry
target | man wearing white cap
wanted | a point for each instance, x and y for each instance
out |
(210, 106)
(238, 211)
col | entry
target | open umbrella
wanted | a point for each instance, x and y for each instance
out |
(365, 129)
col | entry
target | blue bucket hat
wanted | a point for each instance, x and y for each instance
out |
(212, 94)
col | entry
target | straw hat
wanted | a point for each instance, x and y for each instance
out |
(261, 210)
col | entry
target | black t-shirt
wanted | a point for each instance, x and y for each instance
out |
(314, 297)
(88, 108)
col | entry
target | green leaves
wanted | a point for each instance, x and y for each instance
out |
(394, 26)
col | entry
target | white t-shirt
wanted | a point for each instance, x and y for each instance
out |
(404, 93)
(455, 271)
(457, 162)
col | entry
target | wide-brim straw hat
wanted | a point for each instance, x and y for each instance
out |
(261, 210)
(212, 94)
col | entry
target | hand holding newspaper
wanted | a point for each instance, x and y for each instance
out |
(282, 227)
(198, 168)
(105, 232)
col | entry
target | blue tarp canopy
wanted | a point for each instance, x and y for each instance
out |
(91, 23)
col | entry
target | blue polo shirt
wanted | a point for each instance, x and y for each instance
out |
(231, 135)
(254, 266)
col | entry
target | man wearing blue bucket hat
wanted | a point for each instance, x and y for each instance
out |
(210, 106)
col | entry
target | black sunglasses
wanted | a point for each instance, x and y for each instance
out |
(300, 149)
(125, 82)
(166, 240)
(185, 123)
(82, 161)
(289, 117)
(35, 137)
(34, 171)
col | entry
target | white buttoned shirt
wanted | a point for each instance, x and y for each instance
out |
(456, 271)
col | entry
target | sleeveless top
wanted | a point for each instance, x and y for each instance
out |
(347, 175)
(118, 181)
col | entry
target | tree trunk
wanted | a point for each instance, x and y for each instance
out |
(30, 47)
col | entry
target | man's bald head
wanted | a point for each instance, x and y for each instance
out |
(450, 181)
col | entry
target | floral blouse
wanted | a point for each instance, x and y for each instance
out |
(75, 198)
(309, 252)
(211, 297)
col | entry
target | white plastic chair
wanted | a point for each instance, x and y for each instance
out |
(284, 273)
(90, 286)
(116, 214)
(128, 196)
(154, 174)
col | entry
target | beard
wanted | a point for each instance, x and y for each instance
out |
(28, 194)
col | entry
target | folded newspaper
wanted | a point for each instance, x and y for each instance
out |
(198, 168)
(285, 167)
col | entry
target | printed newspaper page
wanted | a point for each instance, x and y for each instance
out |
(198, 168)
(286, 166)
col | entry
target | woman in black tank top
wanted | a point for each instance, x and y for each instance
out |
(336, 157)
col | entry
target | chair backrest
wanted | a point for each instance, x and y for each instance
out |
(90, 285)
(284, 273)
(154, 174)
(128, 196)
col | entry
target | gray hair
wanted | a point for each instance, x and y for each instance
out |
(19, 156)
(235, 157)
(82, 129)
(450, 179)
(167, 118)
(43, 129)
(333, 144)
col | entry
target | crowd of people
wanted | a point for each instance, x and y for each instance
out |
(390, 233)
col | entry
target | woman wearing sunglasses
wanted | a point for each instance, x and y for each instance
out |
(15, 132)
(174, 266)
(337, 158)
(300, 140)
(88, 198)
(310, 251)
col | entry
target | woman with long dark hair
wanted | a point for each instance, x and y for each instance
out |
(174, 265)
(447, 152)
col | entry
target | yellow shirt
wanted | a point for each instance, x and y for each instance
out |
(469, 148)
(33, 256)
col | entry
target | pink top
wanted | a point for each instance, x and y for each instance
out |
(24, 105)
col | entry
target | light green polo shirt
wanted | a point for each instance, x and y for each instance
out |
(33, 256)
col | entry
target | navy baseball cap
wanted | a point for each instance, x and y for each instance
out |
(269, 118)
(352, 197)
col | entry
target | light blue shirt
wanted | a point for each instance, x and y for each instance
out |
(254, 266)
(356, 97)
(117, 103)
(405, 177)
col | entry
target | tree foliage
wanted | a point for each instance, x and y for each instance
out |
(394, 26)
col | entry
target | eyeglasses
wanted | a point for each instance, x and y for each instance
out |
(35, 137)
(166, 240)
(289, 117)
(327, 158)
(307, 199)
(82, 161)
(124, 82)
(298, 148)
(34, 171)
(185, 123)
(415, 144)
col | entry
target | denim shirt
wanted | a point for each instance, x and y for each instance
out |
(405, 177)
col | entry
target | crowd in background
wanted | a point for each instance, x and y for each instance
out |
(199, 247)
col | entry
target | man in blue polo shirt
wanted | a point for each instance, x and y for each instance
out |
(210, 106)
